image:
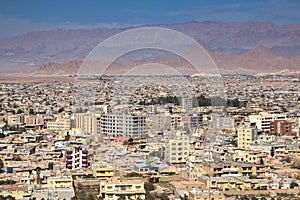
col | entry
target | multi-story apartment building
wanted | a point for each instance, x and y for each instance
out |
(229, 183)
(116, 187)
(246, 135)
(123, 125)
(246, 156)
(177, 149)
(34, 120)
(234, 169)
(166, 121)
(263, 120)
(160, 122)
(61, 123)
(281, 127)
(187, 104)
(192, 121)
(176, 122)
(88, 123)
(15, 119)
(77, 158)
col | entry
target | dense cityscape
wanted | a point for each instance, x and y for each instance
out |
(140, 138)
(149, 100)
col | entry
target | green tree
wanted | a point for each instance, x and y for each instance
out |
(148, 186)
(164, 196)
(261, 161)
(293, 185)
(185, 197)
(61, 110)
(9, 197)
(122, 197)
(233, 142)
(272, 152)
(50, 166)
(38, 174)
(31, 111)
(91, 197)
(20, 111)
(149, 197)
(133, 174)
(1, 166)
(17, 158)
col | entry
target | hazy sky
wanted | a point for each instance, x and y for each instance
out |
(22, 16)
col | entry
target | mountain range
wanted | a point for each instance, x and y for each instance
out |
(241, 47)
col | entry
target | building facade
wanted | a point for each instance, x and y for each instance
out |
(77, 158)
(88, 123)
(123, 125)
(102, 170)
(116, 187)
(281, 127)
(263, 120)
(60, 182)
(177, 149)
(246, 135)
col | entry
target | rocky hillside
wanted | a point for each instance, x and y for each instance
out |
(239, 41)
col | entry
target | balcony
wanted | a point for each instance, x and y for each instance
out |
(85, 151)
(69, 151)
(69, 166)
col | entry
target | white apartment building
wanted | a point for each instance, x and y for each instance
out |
(264, 119)
(76, 158)
(187, 104)
(123, 125)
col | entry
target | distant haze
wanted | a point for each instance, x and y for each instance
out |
(227, 42)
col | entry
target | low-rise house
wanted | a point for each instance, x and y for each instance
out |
(205, 194)
(60, 182)
(102, 170)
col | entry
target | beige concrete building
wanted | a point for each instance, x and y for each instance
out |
(246, 136)
(263, 120)
(88, 123)
(116, 187)
(177, 149)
